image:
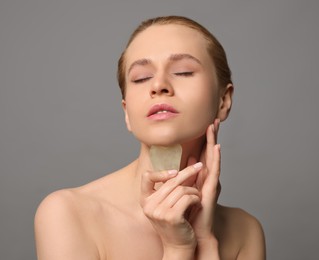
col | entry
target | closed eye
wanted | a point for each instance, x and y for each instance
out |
(141, 80)
(185, 73)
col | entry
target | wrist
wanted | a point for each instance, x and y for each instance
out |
(208, 248)
(207, 241)
(178, 253)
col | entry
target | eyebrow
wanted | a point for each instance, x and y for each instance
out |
(173, 57)
(141, 62)
(181, 56)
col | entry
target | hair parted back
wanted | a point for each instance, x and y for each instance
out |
(214, 48)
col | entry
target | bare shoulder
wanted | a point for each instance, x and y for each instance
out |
(60, 228)
(80, 202)
(240, 231)
(74, 204)
(66, 204)
(69, 223)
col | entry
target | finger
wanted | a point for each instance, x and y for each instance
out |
(201, 178)
(198, 182)
(190, 181)
(210, 136)
(177, 194)
(171, 184)
(175, 215)
(210, 187)
(216, 127)
(184, 175)
(185, 203)
(210, 190)
(150, 178)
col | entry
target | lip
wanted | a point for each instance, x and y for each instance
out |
(153, 112)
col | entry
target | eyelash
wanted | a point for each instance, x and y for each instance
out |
(184, 74)
(141, 80)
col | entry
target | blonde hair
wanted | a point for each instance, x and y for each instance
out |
(214, 48)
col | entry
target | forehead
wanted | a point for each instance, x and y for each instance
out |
(160, 41)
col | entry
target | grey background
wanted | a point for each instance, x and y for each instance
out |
(61, 123)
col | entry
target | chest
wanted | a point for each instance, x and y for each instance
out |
(126, 237)
(122, 235)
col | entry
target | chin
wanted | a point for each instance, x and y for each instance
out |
(168, 136)
(163, 139)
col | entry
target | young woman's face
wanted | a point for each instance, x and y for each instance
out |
(171, 86)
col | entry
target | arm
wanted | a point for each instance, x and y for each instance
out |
(248, 228)
(181, 231)
(254, 246)
(202, 220)
(59, 232)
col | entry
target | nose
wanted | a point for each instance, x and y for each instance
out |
(161, 86)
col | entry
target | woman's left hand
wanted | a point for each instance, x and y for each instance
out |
(202, 219)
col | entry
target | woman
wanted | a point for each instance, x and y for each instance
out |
(176, 88)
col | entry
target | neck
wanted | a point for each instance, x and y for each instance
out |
(191, 149)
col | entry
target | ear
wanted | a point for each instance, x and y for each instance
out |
(225, 102)
(127, 121)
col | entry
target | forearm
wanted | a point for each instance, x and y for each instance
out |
(208, 249)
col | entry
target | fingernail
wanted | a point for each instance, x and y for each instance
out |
(198, 165)
(172, 172)
(213, 127)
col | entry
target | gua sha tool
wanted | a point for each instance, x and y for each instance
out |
(166, 157)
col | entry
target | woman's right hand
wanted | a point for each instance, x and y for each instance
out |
(166, 208)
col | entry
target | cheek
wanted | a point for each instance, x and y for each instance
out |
(134, 114)
(200, 113)
(203, 103)
(131, 112)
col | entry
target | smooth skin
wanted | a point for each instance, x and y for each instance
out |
(136, 213)
(166, 207)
